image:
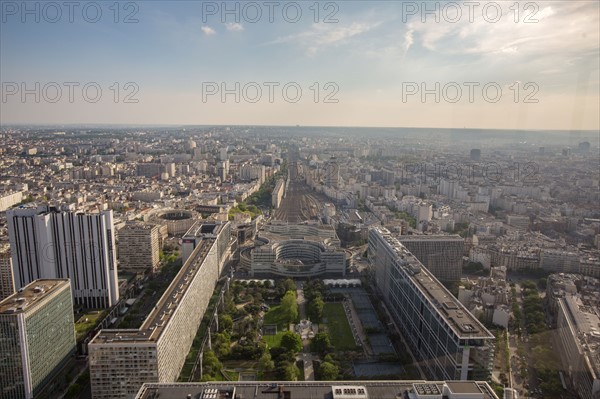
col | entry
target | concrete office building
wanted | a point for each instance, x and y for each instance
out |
(7, 284)
(578, 329)
(150, 170)
(121, 360)
(322, 389)
(441, 254)
(48, 242)
(37, 337)
(448, 341)
(139, 248)
(296, 250)
(298, 258)
(201, 231)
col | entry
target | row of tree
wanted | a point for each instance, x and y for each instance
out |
(314, 290)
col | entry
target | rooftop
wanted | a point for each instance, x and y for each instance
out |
(29, 296)
(319, 390)
(430, 237)
(161, 313)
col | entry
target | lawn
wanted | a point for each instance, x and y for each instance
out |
(273, 341)
(82, 327)
(276, 316)
(339, 329)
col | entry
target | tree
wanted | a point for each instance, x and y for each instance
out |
(328, 371)
(315, 308)
(265, 364)
(225, 322)
(210, 364)
(321, 343)
(289, 307)
(74, 391)
(291, 342)
(289, 284)
(287, 371)
(222, 344)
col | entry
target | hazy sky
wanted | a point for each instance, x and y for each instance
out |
(374, 58)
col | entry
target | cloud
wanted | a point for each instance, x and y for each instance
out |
(321, 36)
(554, 28)
(408, 39)
(234, 27)
(208, 31)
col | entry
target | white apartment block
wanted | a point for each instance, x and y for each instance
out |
(121, 360)
(47, 242)
(9, 199)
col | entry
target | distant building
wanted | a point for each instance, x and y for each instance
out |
(253, 172)
(476, 154)
(332, 173)
(37, 337)
(559, 261)
(520, 222)
(223, 169)
(10, 199)
(447, 340)
(150, 170)
(147, 195)
(277, 194)
(48, 242)
(442, 255)
(139, 248)
(177, 221)
(584, 147)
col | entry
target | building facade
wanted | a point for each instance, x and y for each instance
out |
(37, 337)
(277, 194)
(442, 334)
(10, 199)
(299, 259)
(121, 360)
(7, 283)
(300, 250)
(139, 248)
(48, 242)
(579, 347)
(442, 255)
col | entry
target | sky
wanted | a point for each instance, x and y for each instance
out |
(499, 65)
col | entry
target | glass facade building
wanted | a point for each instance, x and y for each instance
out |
(447, 340)
(37, 337)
